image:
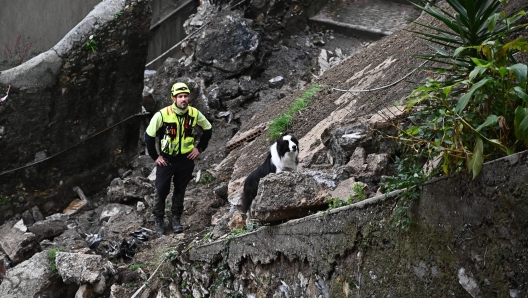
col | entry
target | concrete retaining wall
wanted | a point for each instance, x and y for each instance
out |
(469, 240)
(47, 22)
(69, 118)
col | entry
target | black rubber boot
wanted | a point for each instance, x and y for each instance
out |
(176, 225)
(160, 225)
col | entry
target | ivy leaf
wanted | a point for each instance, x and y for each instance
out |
(477, 159)
(463, 101)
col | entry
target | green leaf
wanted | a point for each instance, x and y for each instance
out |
(413, 130)
(491, 120)
(463, 101)
(492, 21)
(475, 72)
(477, 159)
(521, 124)
(502, 71)
(480, 62)
(520, 92)
(520, 70)
(447, 90)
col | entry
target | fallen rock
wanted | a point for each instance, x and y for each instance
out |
(228, 43)
(82, 268)
(129, 190)
(17, 245)
(288, 195)
(47, 229)
(34, 278)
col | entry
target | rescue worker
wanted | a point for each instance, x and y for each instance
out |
(174, 126)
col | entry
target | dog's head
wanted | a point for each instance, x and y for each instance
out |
(287, 144)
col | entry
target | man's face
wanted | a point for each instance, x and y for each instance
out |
(182, 100)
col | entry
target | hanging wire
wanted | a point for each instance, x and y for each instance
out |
(58, 153)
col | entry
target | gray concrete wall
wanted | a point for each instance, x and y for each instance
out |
(468, 239)
(45, 22)
(62, 98)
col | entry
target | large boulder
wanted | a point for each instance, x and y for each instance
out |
(228, 44)
(35, 278)
(82, 269)
(19, 246)
(289, 195)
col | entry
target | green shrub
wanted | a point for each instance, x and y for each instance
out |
(52, 254)
(91, 45)
(136, 266)
(280, 124)
(474, 107)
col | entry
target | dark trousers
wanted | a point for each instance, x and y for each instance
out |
(180, 170)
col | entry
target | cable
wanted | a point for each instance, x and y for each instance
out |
(95, 134)
(383, 87)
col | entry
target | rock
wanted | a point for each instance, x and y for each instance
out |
(276, 82)
(20, 226)
(34, 278)
(114, 209)
(80, 268)
(358, 160)
(228, 89)
(28, 218)
(288, 195)
(17, 245)
(249, 87)
(228, 44)
(344, 189)
(129, 190)
(48, 229)
(238, 220)
(221, 190)
(143, 165)
(36, 214)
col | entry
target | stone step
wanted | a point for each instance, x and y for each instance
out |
(365, 18)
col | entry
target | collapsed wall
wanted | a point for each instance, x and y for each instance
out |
(468, 239)
(56, 125)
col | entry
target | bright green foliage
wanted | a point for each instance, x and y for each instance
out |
(136, 266)
(337, 202)
(466, 111)
(359, 192)
(409, 177)
(91, 45)
(281, 123)
(206, 178)
(52, 254)
(5, 200)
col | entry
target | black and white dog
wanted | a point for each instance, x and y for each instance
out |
(282, 157)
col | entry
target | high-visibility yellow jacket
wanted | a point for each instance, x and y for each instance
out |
(176, 131)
